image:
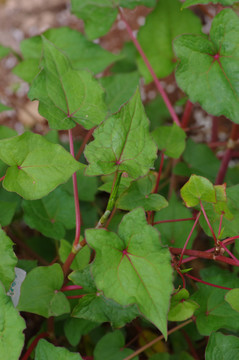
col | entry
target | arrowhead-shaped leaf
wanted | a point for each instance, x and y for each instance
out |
(82, 53)
(47, 351)
(40, 292)
(8, 260)
(11, 328)
(66, 96)
(188, 3)
(133, 267)
(162, 25)
(222, 347)
(139, 194)
(171, 139)
(112, 346)
(207, 69)
(122, 143)
(36, 165)
(197, 189)
(99, 16)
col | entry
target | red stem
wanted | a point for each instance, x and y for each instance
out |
(207, 283)
(75, 296)
(188, 238)
(159, 174)
(208, 222)
(186, 114)
(174, 220)
(71, 287)
(220, 225)
(182, 277)
(230, 254)
(85, 141)
(34, 344)
(154, 76)
(2, 178)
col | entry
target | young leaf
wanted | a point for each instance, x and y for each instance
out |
(214, 312)
(188, 3)
(40, 292)
(94, 306)
(207, 70)
(170, 139)
(82, 53)
(36, 166)
(66, 96)
(51, 215)
(99, 16)
(47, 351)
(182, 308)
(139, 194)
(122, 143)
(162, 25)
(119, 88)
(111, 346)
(8, 260)
(222, 347)
(11, 328)
(197, 189)
(175, 233)
(232, 298)
(132, 267)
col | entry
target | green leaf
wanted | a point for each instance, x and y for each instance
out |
(75, 328)
(157, 112)
(222, 347)
(139, 194)
(128, 62)
(11, 328)
(214, 312)
(182, 308)
(47, 351)
(40, 292)
(4, 51)
(8, 260)
(188, 3)
(4, 108)
(94, 306)
(119, 88)
(8, 205)
(111, 347)
(162, 25)
(36, 165)
(170, 139)
(122, 143)
(232, 298)
(66, 96)
(197, 189)
(51, 215)
(82, 53)
(175, 233)
(132, 262)
(82, 258)
(206, 78)
(6, 132)
(99, 16)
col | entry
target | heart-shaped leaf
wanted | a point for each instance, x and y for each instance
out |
(122, 143)
(197, 189)
(36, 165)
(40, 292)
(66, 96)
(133, 267)
(182, 308)
(207, 69)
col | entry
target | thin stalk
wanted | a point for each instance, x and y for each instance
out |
(75, 296)
(154, 76)
(34, 344)
(186, 114)
(110, 217)
(230, 254)
(159, 338)
(155, 190)
(71, 287)
(220, 225)
(188, 238)
(208, 222)
(2, 178)
(174, 220)
(76, 246)
(207, 283)
(182, 277)
(85, 141)
(228, 154)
